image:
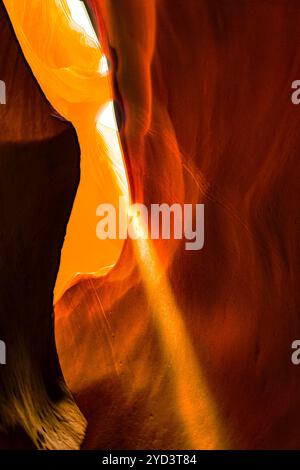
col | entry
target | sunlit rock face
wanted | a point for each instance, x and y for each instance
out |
(176, 349)
(39, 159)
(67, 61)
(211, 82)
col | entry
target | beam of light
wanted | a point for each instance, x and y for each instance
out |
(196, 409)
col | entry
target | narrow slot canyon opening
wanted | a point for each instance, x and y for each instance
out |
(83, 252)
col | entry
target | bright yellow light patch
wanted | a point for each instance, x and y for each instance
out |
(64, 53)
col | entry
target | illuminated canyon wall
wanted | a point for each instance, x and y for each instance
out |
(171, 348)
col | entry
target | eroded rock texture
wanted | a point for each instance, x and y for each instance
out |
(178, 349)
(39, 174)
(198, 355)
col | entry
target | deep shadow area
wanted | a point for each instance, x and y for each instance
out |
(39, 175)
